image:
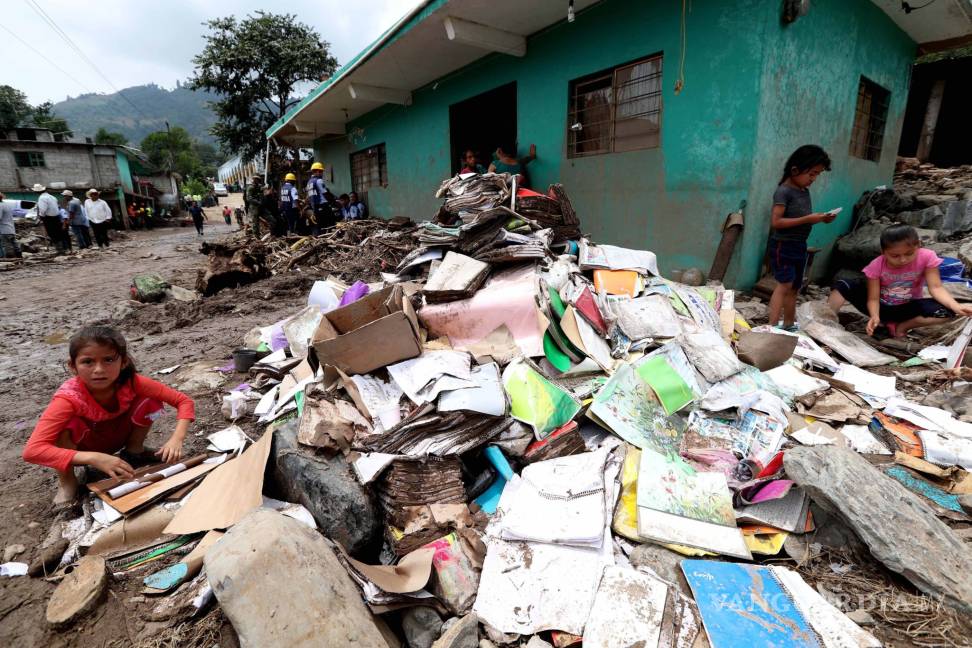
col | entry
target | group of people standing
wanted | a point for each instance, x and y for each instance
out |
(68, 215)
(287, 213)
(504, 161)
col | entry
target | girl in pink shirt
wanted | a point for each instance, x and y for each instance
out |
(893, 292)
(105, 408)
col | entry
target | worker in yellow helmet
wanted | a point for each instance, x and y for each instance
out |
(288, 202)
(317, 195)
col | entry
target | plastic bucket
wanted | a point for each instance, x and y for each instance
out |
(243, 359)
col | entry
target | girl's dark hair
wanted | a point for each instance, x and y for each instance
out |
(804, 158)
(898, 234)
(344, 197)
(107, 336)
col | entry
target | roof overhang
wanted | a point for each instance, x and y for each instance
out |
(936, 25)
(432, 41)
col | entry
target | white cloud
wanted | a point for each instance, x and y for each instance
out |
(139, 43)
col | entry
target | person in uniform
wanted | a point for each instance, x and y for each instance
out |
(288, 202)
(317, 197)
(254, 204)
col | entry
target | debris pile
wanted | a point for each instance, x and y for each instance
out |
(937, 202)
(496, 434)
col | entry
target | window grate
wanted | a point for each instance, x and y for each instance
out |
(29, 159)
(616, 110)
(369, 169)
(870, 118)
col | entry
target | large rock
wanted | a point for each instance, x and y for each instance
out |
(948, 218)
(342, 507)
(280, 584)
(965, 252)
(463, 633)
(897, 526)
(421, 625)
(79, 593)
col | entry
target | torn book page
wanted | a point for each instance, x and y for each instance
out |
(417, 377)
(861, 440)
(793, 382)
(651, 316)
(866, 383)
(628, 610)
(487, 397)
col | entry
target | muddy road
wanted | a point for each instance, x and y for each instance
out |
(42, 305)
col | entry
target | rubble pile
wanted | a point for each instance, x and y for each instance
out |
(937, 202)
(499, 434)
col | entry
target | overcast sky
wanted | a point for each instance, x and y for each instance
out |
(134, 43)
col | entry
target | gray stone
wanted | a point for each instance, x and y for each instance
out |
(897, 526)
(958, 219)
(965, 252)
(663, 562)
(863, 244)
(12, 551)
(929, 200)
(341, 506)
(48, 559)
(123, 309)
(965, 501)
(929, 217)
(280, 584)
(860, 617)
(179, 293)
(79, 593)
(421, 626)
(463, 633)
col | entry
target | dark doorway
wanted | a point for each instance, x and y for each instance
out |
(482, 123)
(952, 141)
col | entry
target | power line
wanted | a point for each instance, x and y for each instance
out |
(40, 54)
(50, 21)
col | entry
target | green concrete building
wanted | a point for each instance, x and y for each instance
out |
(658, 117)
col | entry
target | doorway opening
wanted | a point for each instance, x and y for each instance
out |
(482, 123)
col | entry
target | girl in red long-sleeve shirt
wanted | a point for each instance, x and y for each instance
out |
(105, 408)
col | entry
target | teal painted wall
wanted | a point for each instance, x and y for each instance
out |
(124, 171)
(808, 93)
(748, 84)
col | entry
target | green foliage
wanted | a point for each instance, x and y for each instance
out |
(105, 137)
(89, 112)
(16, 111)
(43, 117)
(194, 187)
(13, 107)
(172, 150)
(253, 66)
(209, 158)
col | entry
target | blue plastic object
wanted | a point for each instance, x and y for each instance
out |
(489, 500)
(167, 578)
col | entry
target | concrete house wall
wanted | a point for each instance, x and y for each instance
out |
(754, 90)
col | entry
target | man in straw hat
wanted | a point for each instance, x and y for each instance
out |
(49, 213)
(99, 215)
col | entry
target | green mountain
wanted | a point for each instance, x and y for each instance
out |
(180, 107)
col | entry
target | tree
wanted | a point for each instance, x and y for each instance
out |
(172, 150)
(43, 117)
(254, 65)
(106, 137)
(14, 108)
(209, 158)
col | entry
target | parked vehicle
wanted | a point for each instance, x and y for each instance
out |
(220, 189)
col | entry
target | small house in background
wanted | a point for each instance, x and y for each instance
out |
(658, 117)
(31, 156)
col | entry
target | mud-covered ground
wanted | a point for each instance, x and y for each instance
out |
(42, 305)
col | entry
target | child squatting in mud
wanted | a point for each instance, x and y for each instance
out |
(106, 407)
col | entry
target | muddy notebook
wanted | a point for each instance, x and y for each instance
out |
(678, 504)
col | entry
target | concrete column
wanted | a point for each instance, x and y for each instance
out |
(927, 136)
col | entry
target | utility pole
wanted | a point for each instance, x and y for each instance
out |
(168, 141)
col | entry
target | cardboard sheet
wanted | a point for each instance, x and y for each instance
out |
(128, 504)
(225, 496)
(508, 298)
(133, 533)
(409, 575)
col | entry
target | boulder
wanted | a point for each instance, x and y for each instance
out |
(421, 625)
(929, 217)
(931, 200)
(958, 219)
(280, 584)
(463, 633)
(343, 509)
(898, 528)
(79, 593)
(861, 245)
(965, 252)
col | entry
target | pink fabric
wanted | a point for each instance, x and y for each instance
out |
(901, 285)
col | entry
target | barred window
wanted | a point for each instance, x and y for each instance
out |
(870, 117)
(29, 159)
(616, 110)
(369, 169)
